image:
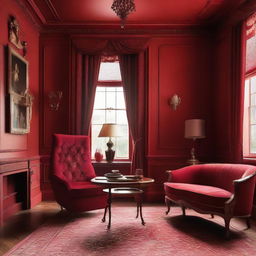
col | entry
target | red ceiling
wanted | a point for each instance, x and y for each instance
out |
(148, 12)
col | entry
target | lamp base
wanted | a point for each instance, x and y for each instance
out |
(110, 155)
(193, 161)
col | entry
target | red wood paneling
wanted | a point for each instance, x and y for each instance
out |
(19, 145)
(54, 65)
(178, 66)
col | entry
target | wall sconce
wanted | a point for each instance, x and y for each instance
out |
(174, 101)
(54, 99)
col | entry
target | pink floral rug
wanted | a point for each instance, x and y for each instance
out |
(86, 235)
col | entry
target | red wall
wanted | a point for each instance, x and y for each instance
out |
(177, 65)
(11, 145)
(19, 145)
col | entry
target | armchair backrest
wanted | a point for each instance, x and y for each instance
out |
(71, 159)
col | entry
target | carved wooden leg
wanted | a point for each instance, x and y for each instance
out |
(248, 222)
(109, 207)
(212, 216)
(227, 221)
(138, 208)
(167, 202)
(105, 212)
(183, 210)
(142, 220)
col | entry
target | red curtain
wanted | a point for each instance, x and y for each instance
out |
(237, 92)
(96, 46)
(133, 68)
(133, 76)
(86, 87)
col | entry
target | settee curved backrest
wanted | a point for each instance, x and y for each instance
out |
(71, 159)
(218, 175)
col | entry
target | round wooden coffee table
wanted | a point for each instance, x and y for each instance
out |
(131, 187)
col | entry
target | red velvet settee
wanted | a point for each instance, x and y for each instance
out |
(217, 189)
(72, 171)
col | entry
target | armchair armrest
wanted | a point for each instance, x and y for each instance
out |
(57, 179)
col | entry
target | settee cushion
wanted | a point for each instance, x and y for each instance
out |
(200, 195)
(84, 189)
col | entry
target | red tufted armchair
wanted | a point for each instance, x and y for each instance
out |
(71, 174)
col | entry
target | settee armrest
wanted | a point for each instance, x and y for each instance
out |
(169, 173)
(245, 185)
(244, 179)
(243, 195)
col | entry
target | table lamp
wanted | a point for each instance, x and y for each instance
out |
(110, 130)
(194, 129)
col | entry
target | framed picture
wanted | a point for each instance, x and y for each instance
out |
(19, 99)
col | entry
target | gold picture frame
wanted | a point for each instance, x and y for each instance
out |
(20, 101)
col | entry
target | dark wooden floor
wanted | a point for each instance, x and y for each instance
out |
(22, 224)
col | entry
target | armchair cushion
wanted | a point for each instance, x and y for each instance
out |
(84, 189)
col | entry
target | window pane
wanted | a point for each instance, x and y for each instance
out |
(110, 99)
(121, 117)
(253, 99)
(99, 100)
(122, 143)
(109, 71)
(253, 115)
(253, 84)
(253, 139)
(120, 103)
(100, 89)
(111, 89)
(122, 147)
(98, 117)
(110, 116)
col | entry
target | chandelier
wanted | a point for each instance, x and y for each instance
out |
(122, 8)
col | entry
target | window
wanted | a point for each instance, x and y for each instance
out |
(249, 117)
(109, 107)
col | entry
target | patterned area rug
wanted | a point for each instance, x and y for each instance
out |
(85, 234)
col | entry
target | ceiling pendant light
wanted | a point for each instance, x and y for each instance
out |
(122, 8)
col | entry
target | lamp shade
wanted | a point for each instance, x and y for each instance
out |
(195, 129)
(110, 130)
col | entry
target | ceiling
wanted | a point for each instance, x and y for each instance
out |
(148, 12)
